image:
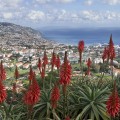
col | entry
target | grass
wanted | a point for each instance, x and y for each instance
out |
(10, 76)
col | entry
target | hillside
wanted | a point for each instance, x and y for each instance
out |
(12, 34)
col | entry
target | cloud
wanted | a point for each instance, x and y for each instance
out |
(112, 2)
(54, 1)
(10, 3)
(19, 11)
(66, 17)
(88, 2)
(63, 16)
(36, 15)
(109, 15)
(64, 1)
(14, 16)
(98, 16)
(43, 1)
(7, 15)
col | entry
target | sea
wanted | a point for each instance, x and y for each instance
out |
(71, 36)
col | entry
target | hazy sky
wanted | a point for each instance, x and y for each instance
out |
(71, 13)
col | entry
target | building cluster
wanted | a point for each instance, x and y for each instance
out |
(23, 57)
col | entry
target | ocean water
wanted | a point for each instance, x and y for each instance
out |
(89, 35)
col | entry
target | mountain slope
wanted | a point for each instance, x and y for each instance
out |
(12, 34)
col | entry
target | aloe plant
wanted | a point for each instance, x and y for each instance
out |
(92, 103)
(43, 108)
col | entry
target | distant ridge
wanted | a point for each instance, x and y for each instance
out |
(12, 34)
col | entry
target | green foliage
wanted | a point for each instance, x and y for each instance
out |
(85, 97)
(43, 108)
(95, 68)
(92, 103)
(13, 110)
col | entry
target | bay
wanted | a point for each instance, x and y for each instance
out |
(89, 35)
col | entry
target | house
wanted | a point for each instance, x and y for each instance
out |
(20, 59)
(98, 60)
(1, 57)
(19, 64)
(34, 63)
(11, 65)
(9, 55)
(73, 60)
(116, 72)
(115, 63)
(26, 65)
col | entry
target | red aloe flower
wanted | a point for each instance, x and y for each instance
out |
(81, 46)
(87, 72)
(111, 50)
(55, 96)
(53, 60)
(105, 54)
(31, 74)
(45, 60)
(39, 64)
(2, 72)
(65, 71)
(14, 88)
(42, 73)
(80, 49)
(111, 44)
(16, 74)
(31, 97)
(67, 118)
(57, 62)
(112, 56)
(113, 103)
(89, 63)
(3, 93)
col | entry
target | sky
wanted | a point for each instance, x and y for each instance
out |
(64, 13)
